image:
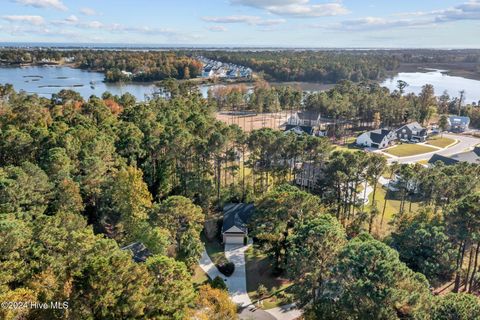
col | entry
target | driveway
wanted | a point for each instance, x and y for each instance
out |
(207, 265)
(237, 282)
(287, 312)
(465, 143)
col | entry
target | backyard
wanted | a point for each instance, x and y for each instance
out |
(406, 150)
(259, 272)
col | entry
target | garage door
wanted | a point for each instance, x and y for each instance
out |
(233, 238)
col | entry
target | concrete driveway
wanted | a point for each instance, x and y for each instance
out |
(465, 143)
(237, 282)
(287, 312)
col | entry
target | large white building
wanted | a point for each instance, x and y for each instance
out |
(380, 139)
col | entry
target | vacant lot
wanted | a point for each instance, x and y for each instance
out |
(406, 150)
(249, 122)
(440, 142)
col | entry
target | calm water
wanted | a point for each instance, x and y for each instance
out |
(45, 81)
(48, 80)
(440, 82)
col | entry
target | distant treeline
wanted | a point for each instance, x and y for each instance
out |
(143, 65)
(317, 66)
(331, 66)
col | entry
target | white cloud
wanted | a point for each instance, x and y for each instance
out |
(296, 8)
(251, 20)
(369, 23)
(34, 20)
(55, 4)
(466, 11)
(217, 28)
(72, 19)
(88, 11)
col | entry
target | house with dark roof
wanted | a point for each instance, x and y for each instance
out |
(469, 157)
(235, 219)
(458, 124)
(307, 121)
(380, 138)
(413, 132)
(140, 252)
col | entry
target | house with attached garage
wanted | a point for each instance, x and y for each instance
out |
(380, 138)
(412, 132)
(235, 219)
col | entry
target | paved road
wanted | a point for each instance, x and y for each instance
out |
(465, 143)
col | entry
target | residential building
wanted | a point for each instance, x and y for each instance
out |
(380, 138)
(412, 132)
(235, 219)
(140, 252)
(469, 156)
(458, 124)
(307, 121)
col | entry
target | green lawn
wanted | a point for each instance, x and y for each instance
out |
(406, 150)
(199, 277)
(392, 207)
(215, 250)
(440, 142)
(258, 270)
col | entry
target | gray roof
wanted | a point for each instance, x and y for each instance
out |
(378, 135)
(446, 160)
(139, 251)
(237, 214)
(470, 157)
(308, 114)
(458, 120)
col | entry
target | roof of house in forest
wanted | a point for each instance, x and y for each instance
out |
(469, 157)
(237, 215)
(139, 250)
(309, 114)
(296, 129)
(446, 160)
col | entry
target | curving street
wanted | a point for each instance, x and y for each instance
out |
(465, 143)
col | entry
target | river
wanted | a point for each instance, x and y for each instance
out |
(440, 81)
(46, 80)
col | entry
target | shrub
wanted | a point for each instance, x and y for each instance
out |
(218, 283)
(226, 268)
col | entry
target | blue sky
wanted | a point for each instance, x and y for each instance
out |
(289, 23)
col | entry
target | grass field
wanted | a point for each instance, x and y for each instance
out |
(406, 150)
(440, 142)
(215, 250)
(392, 207)
(259, 271)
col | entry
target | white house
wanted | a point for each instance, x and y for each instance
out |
(379, 139)
(235, 219)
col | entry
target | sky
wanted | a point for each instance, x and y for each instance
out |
(276, 23)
